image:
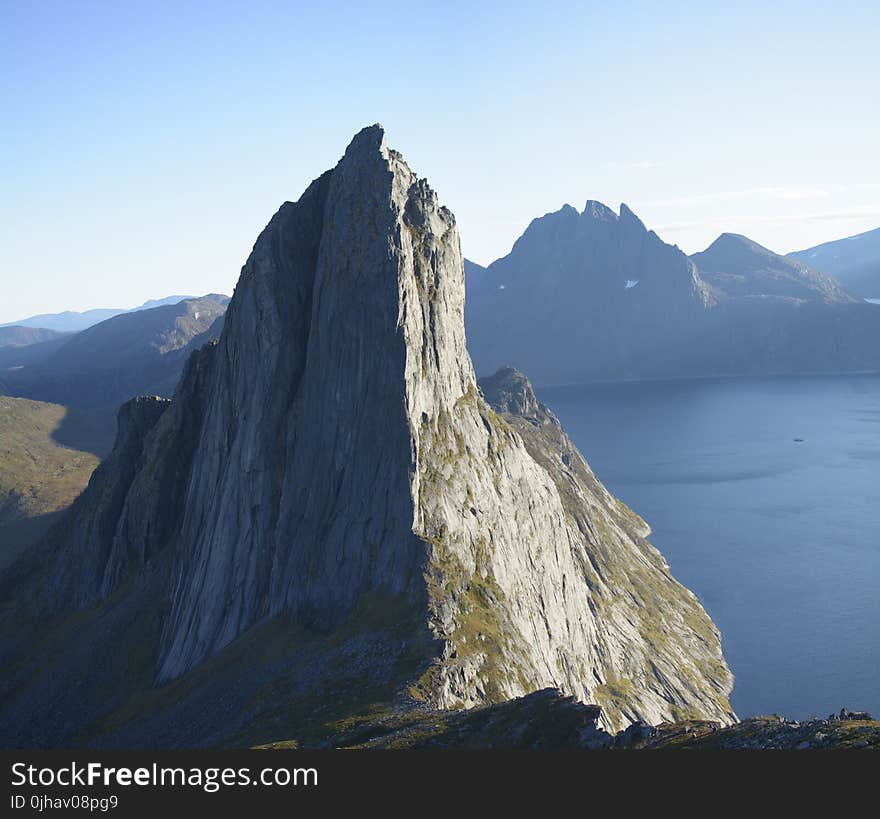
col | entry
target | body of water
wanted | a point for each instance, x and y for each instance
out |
(764, 497)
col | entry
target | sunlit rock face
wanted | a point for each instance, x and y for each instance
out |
(332, 458)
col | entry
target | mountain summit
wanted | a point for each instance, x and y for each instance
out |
(596, 296)
(329, 515)
(738, 266)
(585, 296)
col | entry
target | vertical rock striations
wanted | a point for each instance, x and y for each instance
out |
(333, 451)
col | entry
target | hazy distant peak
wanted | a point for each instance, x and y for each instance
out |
(71, 321)
(738, 240)
(550, 227)
(150, 303)
(853, 260)
(730, 247)
(738, 266)
(598, 210)
(628, 217)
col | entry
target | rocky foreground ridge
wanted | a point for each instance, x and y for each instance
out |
(547, 720)
(331, 517)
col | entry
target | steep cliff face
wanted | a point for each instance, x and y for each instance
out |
(331, 463)
(653, 646)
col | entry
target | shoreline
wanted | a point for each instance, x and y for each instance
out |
(727, 377)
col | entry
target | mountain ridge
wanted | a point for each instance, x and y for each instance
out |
(16, 335)
(739, 266)
(73, 321)
(329, 496)
(596, 296)
(854, 260)
(116, 359)
(594, 281)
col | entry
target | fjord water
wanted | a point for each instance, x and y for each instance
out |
(779, 537)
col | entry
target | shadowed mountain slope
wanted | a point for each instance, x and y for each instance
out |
(130, 354)
(737, 266)
(853, 261)
(595, 296)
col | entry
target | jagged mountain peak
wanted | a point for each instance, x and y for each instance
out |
(628, 216)
(574, 284)
(737, 242)
(330, 472)
(599, 211)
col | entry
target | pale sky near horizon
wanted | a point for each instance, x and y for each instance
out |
(144, 148)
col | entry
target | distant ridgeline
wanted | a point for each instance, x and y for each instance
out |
(330, 522)
(132, 353)
(854, 262)
(596, 296)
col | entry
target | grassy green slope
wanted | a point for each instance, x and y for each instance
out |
(47, 454)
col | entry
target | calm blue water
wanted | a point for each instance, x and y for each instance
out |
(780, 539)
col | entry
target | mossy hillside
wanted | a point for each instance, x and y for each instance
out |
(39, 475)
(620, 560)
(542, 720)
(548, 720)
(458, 576)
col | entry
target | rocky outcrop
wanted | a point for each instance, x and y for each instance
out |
(329, 468)
(548, 720)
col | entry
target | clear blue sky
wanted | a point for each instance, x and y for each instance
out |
(144, 145)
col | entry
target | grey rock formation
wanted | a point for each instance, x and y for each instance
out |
(331, 464)
(649, 639)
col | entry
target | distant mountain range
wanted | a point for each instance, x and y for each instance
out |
(135, 352)
(18, 336)
(853, 261)
(597, 296)
(735, 266)
(71, 321)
